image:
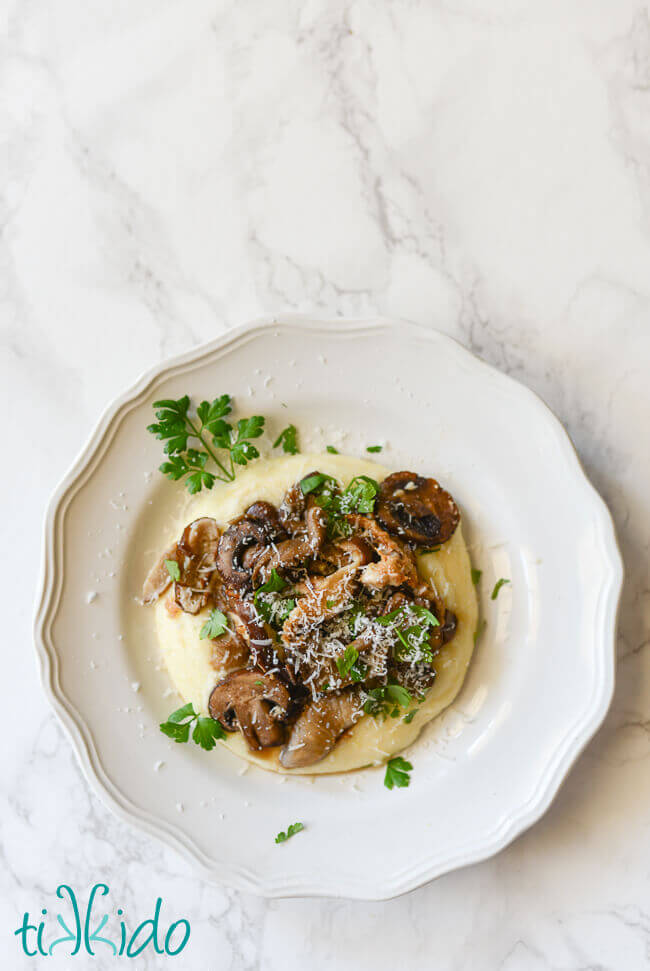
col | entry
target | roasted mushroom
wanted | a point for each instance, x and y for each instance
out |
(317, 729)
(242, 536)
(196, 557)
(295, 552)
(158, 578)
(396, 565)
(417, 509)
(256, 704)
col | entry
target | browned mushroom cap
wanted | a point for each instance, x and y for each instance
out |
(266, 514)
(292, 508)
(241, 536)
(416, 508)
(196, 556)
(254, 703)
(158, 578)
(295, 552)
(316, 730)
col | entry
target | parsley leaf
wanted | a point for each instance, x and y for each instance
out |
(312, 482)
(479, 630)
(407, 719)
(359, 495)
(206, 730)
(497, 587)
(380, 701)
(215, 625)
(272, 608)
(476, 576)
(374, 448)
(411, 625)
(288, 440)
(173, 569)
(211, 433)
(346, 662)
(397, 773)
(291, 831)
(332, 450)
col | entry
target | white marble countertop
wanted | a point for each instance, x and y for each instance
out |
(170, 169)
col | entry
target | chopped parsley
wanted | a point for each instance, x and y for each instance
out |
(215, 625)
(349, 664)
(359, 496)
(479, 630)
(497, 587)
(205, 733)
(476, 576)
(407, 719)
(397, 773)
(291, 831)
(173, 569)
(217, 442)
(386, 700)
(272, 608)
(374, 448)
(332, 450)
(412, 625)
(288, 440)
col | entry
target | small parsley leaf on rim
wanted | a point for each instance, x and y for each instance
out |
(497, 586)
(476, 576)
(397, 773)
(291, 831)
(206, 730)
(288, 440)
(374, 448)
(332, 450)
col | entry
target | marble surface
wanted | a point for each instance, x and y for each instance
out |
(170, 169)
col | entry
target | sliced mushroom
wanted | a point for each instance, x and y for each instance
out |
(253, 703)
(293, 506)
(258, 635)
(266, 514)
(418, 509)
(396, 565)
(158, 578)
(196, 556)
(241, 536)
(298, 551)
(317, 729)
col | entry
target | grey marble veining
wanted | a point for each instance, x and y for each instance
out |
(171, 169)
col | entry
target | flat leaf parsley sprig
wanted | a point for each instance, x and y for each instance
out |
(217, 441)
(205, 733)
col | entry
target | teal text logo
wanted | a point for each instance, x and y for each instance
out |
(86, 932)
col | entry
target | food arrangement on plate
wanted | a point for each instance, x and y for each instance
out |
(315, 612)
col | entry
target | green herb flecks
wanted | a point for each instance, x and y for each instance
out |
(412, 626)
(397, 773)
(271, 607)
(476, 576)
(205, 733)
(358, 497)
(291, 831)
(332, 450)
(173, 569)
(219, 446)
(384, 700)
(374, 448)
(288, 440)
(497, 586)
(215, 625)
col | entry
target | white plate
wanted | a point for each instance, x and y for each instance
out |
(542, 675)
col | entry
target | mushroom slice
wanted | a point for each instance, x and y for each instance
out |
(238, 539)
(418, 509)
(261, 643)
(293, 506)
(318, 727)
(295, 552)
(396, 564)
(253, 703)
(158, 578)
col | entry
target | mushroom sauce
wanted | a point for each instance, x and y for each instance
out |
(347, 604)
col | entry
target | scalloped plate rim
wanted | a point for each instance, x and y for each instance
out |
(297, 884)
